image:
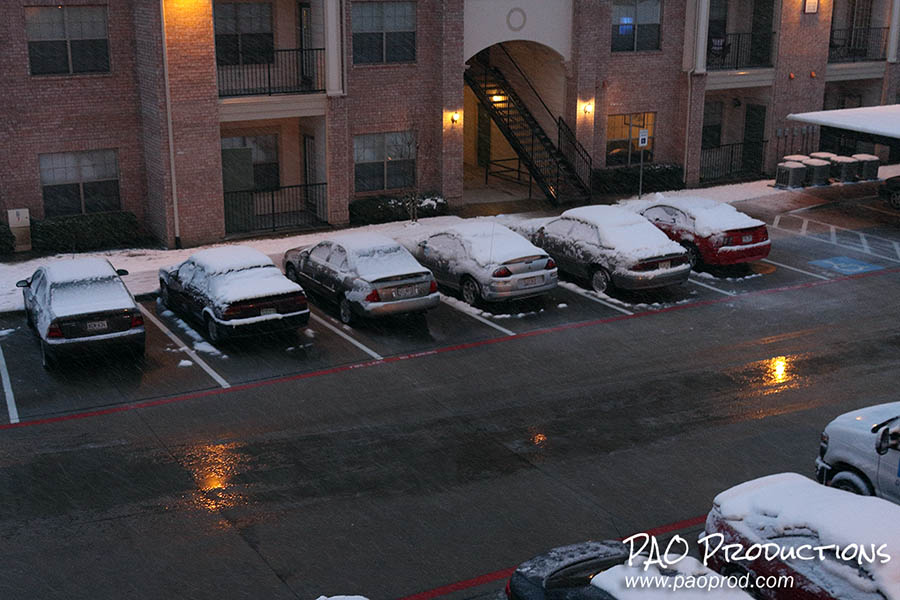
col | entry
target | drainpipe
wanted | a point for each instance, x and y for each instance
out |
(894, 34)
(162, 15)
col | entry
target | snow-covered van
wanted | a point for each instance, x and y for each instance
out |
(860, 452)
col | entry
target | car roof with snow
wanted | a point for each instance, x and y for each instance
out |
(791, 504)
(362, 241)
(79, 269)
(376, 256)
(630, 234)
(604, 216)
(709, 216)
(615, 580)
(490, 242)
(230, 258)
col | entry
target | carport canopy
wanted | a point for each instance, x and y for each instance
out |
(877, 124)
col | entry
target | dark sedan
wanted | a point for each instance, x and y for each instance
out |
(566, 572)
(889, 191)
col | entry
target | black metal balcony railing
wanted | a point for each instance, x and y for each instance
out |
(295, 71)
(858, 44)
(739, 51)
(292, 206)
(732, 161)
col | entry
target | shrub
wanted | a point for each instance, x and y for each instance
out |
(384, 209)
(7, 240)
(624, 180)
(77, 233)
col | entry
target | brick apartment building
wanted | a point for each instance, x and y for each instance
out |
(209, 118)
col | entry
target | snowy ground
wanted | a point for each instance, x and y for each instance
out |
(143, 264)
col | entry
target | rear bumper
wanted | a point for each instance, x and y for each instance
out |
(508, 289)
(730, 255)
(130, 339)
(396, 307)
(638, 280)
(264, 324)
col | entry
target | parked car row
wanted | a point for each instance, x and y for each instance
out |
(790, 513)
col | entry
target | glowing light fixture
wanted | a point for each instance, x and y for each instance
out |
(588, 108)
(497, 98)
(454, 118)
(810, 7)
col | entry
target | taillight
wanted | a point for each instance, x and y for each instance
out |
(642, 267)
(232, 312)
(551, 264)
(373, 296)
(507, 590)
(432, 288)
(54, 331)
(502, 272)
(137, 321)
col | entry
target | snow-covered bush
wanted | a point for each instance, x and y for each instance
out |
(7, 241)
(384, 209)
(624, 180)
(96, 231)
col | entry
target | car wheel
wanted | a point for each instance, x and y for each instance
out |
(600, 281)
(851, 482)
(164, 295)
(345, 311)
(894, 200)
(290, 271)
(213, 331)
(47, 360)
(471, 293)
(693, 256)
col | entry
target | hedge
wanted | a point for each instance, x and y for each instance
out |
(624, 180)
(77, 233)
(384, 209)
(7, 240)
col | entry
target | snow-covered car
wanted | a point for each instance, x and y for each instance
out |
(831, 544)
(485, 261)
(609, 246)
(713, 233)
(364, 274)
(860, 452)
(686, 579)
(889, 191)
(79, 305)
(233, 290)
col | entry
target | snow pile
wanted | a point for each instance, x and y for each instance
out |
(790, 504)
(199, 344)
(185, 363)
(374, 256)
(79, 269)
(710, 217)
(632, 237)
(89, 296)
(613, 581)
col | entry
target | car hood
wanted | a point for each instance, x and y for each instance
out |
(861, 421)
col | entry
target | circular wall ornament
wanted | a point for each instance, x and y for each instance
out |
(516, 18)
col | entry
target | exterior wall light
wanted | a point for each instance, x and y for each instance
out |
(588, 108)
(497, 98)
(454, 118)
(810, 7)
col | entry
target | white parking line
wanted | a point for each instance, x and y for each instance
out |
(709, 287)
(784, 266)
(893, 213)
(7, 391)
(189, 351)
(591, 296)
(350, 339)
(839, 245)
(480, 319)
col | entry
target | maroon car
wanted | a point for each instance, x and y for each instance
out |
(713, 233)
(823, 543)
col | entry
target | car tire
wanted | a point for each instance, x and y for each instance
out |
(600, 280)
(894, 200)
(851, 482)
(471, 292)
(290, 271)
(164, 297)
(213, 332)
(693, 255)
(345, 311)
(47, 360)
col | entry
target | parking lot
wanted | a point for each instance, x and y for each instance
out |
(400, 456)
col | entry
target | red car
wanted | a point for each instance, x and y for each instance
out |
(713, 233)
(822, 543)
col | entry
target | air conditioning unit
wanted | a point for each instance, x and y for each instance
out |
(844, 168)
(790, 174)
(818, 171)
(796, 158)
(823, 155)
(19, 221)
(868, 166)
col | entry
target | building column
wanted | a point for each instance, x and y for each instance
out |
(334, 49)
(702, 32)
(693, 138)
(452, 94)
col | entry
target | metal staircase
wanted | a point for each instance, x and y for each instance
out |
(562, 170)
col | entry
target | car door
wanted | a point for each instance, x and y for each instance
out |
(195, 288)
(584, 248)
(28, 294)
(889, 475)
(663, 219)
(436, 253)
(555, 240)
(333, 272)
(177, 292)
(312, 267)
(39, 298)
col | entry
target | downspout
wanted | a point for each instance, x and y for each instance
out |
(894, 32)
(162, 15)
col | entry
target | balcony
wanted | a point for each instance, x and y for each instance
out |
(288, 207)
(737, 51)
(858, 45)
(281, 71)
(732, 162)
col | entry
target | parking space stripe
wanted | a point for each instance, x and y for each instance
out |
(481, 319)
(350, 339)
(7, 390)
(790, 268)
(589, 296)
(189, 351)
(835, 243)
(709, 287)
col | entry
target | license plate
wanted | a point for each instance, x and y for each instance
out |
(267, 311)
(530, 281)
(96, 325)
(665, 264)
(747, 239)
(407, 291)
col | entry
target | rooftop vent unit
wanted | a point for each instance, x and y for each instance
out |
(844, 168)
(817, 171)
(868, 166)
(790, 174)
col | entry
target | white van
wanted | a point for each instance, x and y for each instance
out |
(860, 452)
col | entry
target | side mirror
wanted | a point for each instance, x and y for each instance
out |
(24, 283)
(121, 272)
(883, 444)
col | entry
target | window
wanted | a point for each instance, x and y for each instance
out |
(337, 260)
(559, 228)
(320, 253)
(584, 232)
(383, 32)
(79, 182)
(712, 125)
(622, 138)
(263, 155)
(635, 25)
(64, 40)
(384, 161)
(244, 34)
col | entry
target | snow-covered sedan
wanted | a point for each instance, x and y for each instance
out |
(233, 290)
(713, 233)
(364, 274)
(79, 305)
(485, 261)
(791, 516)
(609, 246)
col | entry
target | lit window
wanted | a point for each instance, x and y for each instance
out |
(622, 133)
(67, 40)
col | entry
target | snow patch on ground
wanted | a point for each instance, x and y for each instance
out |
(562, 305)
(472, 310)
(199, 344)
(705, 275)
(185, 363)
(309, 333)
(6, 332)
(574, 287)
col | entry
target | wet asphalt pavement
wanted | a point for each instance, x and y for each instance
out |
(313, 467)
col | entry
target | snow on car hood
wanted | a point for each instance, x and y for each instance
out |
(613, 581)
(249, 284)
(864, 418)
(710, 217)
(781, 504)
(83, 297)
